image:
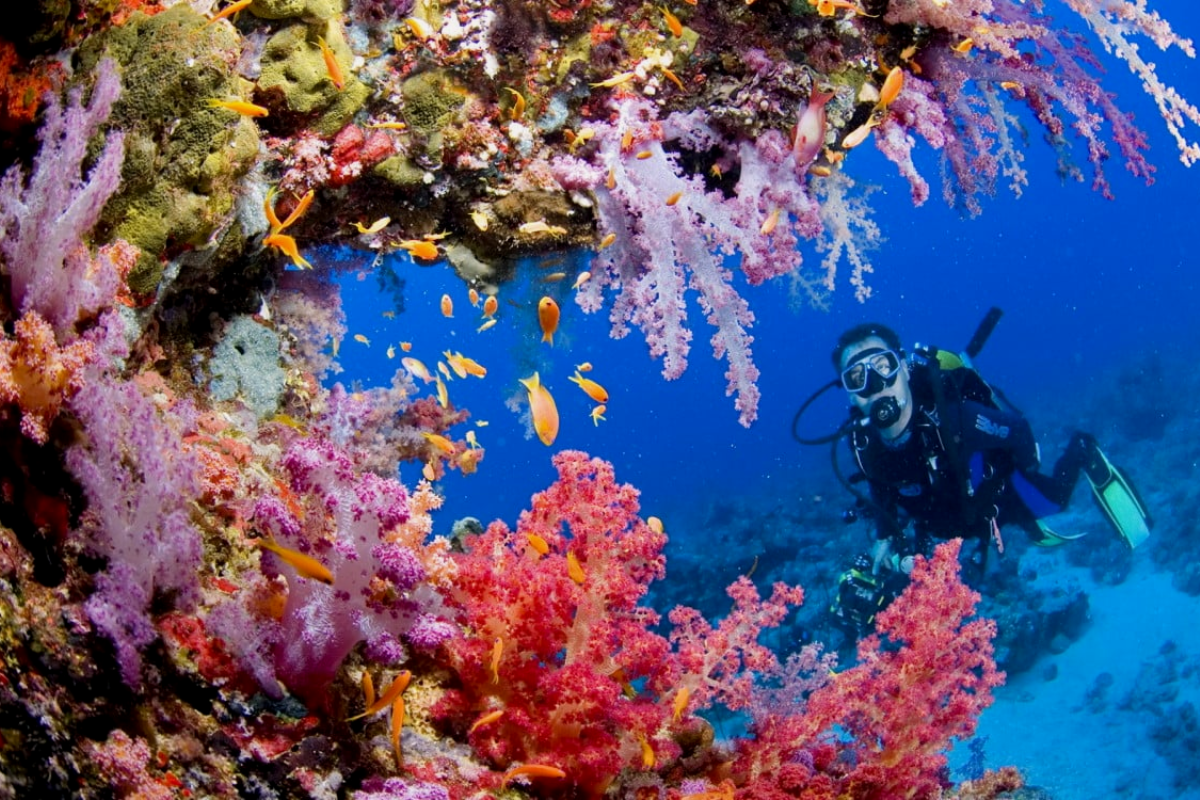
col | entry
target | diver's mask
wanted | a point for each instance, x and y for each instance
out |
(871, 372)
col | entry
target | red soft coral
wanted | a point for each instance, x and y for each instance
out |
(921, 681)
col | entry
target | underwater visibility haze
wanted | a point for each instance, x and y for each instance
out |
(399, 398)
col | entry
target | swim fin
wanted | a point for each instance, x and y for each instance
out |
(1118, 499)
(1046, 537)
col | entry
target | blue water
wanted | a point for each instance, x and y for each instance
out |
(1086, 284)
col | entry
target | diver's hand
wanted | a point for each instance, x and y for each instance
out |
(883, 557)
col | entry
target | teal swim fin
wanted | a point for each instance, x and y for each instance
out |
(1118, 500)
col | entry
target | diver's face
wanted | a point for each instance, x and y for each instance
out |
(869, 355)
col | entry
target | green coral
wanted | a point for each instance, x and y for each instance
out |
(431, 101)
(183, 159)
(294, 73)
(309, 9)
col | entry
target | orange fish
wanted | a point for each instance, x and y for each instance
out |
(590, 387)
(673, 23)
(230, 10)
(891, 87)
(486, 719)
(287, 245)
(331, 64)
(490, 305)
(548, 317)
(531, 771)
(306, 566)
(545, 412)
(393, 691)
(538, 543)
(598, 414)
(240, 107)
(447, 306)
(440, 442)
(497, 653)
(574, 569)
(420, 248)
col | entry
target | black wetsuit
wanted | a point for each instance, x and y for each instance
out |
(962, 470)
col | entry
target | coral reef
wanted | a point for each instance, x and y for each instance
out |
(212, 581)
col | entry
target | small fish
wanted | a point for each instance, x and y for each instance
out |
(486, 719)
(440, 442)
(673, 23)
(368, 688)
(674, 198)
(287, 245)
(615, 80)
(394, 690)
(374, 227)
(607, 241)
(581, 279)
(230, 10)
(597, 414)
(857, 136)
(388, 126)
(810, 130)
(443, 396)
(540, 226)
(389, 314)
(610, 182)
(680, 704)
(417, 368)
(406, 347)
(358, 337)
(472, 440)
(497, 654)
(301, 206)
(891, 87)
(770, 222)
(243, 107)
(554, 277)
(447, 306)
(305, 566)
(517, 111)
(473, 296)
(397, 727)
(420, 248)
(642, 155)
(445, 370)
(331, 64)
(540, 545)
(481, 423)
(673, 78)
(428, 472)
(480, 219)
(655, 524)
(491, 323)
(964, 46)
(584, 367)
(490, 305)
(548, 315)
(574, 569)
(648, 760)
(590, 388)
(419, 27)
(531, 771)
(391, 351)
(543, 409)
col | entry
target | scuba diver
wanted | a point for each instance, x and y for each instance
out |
(940, 453)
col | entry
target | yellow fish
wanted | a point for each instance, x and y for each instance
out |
(590, 387)
(306, 566)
